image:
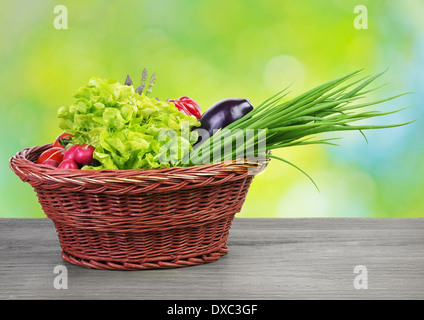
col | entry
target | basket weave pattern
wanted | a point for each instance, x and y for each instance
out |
(139, 219)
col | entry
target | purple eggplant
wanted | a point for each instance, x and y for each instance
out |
(221, 114)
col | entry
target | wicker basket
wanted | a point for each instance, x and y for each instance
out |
(139, 219)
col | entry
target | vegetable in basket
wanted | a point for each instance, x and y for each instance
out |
(68, 164)
(221, 114)
(187, 106)
(70, 152)
(51, 162)
(126, 128)
(84, 154)
(62, 140)
(55, 153)
(332, 106)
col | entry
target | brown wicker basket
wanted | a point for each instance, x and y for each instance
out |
(139, 219)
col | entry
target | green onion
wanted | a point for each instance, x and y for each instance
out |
(329, 107)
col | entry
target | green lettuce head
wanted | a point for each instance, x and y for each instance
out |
(128, 130)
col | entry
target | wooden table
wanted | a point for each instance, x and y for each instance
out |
(268, 259)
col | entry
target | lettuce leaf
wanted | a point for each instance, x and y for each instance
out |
(128, 130)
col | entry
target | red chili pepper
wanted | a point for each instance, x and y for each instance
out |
(187, 106)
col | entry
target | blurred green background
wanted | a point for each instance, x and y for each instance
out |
(210, 50)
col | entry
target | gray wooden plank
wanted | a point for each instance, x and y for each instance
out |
(268, 259)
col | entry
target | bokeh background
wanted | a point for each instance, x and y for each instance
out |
(211, 50)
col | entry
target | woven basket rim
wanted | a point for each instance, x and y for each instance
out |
(23, 164)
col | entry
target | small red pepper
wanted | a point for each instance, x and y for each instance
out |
(187, 106)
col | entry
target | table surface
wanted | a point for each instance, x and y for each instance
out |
(267, 259)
